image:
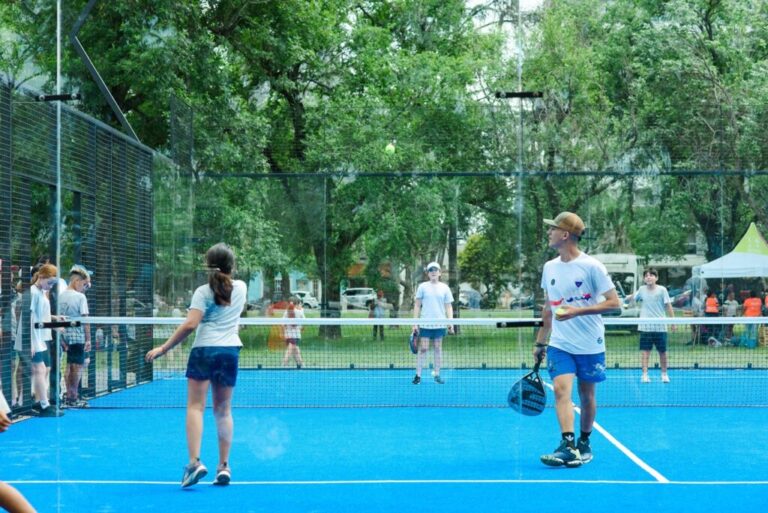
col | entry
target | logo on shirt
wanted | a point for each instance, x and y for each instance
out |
(583, 297)
(578, 284)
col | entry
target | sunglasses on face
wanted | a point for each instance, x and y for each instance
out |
(432, 269)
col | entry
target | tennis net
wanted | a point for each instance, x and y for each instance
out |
(368, 363)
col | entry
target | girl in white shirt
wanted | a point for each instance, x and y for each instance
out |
(292, 333)
(215, 314)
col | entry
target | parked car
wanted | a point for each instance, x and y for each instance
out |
(307, 299)
(521, 302)
(357, 297)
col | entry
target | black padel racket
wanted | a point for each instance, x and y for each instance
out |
(527, 395)
(413, 342)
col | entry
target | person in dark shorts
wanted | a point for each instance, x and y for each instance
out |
(434, 300)
(654, 303)
(215, 316)
(76, 341)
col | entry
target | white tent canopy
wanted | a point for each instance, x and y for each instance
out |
(749, 259)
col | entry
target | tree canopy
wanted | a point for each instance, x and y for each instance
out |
(315, 135)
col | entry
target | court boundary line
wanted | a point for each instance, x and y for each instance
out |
(658, 476)
(396, 482)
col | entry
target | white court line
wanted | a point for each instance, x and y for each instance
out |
(399, 482)
(620, 446)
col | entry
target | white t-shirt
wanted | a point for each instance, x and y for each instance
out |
(73, 304)
(731, 308)
(433, 297)
(40, 309)
(653, 303)
(579, 282)
(220, 324)
(293, 330)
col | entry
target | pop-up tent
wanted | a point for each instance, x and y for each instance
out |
(749, 259)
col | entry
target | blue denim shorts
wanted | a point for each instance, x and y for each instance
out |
(587, 367)
(432, 333)
(215, 364)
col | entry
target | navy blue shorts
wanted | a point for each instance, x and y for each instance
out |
(587, 367)
(42, 357)
(76, 354)
(648, 339)
(432, 333)
(215, 364)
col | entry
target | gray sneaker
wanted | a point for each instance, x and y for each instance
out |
(223, 475)
(563, 456)
(193, 473)
(585, 450)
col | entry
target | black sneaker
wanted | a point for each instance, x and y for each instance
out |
(584, 450)
(193, 473)
(416, 380)
(50, 411)
(439, 380)
(563, 456)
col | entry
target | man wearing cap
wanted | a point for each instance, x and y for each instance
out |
(577, 289)
(434, 300)
(76, 341)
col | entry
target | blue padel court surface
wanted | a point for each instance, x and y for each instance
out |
(464, 387)
(390, 458)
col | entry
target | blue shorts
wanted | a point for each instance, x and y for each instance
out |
(294, 341)
(432, 333)
(215, 364)
(587, 367)
(42, 357)
(648, 339)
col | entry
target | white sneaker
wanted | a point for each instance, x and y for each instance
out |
(645, 378)
(664, 378)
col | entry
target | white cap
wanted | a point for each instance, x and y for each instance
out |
(432, 264)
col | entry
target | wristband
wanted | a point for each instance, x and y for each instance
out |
(540, 344)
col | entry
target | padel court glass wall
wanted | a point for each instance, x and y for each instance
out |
(105, 223)
(341, 235)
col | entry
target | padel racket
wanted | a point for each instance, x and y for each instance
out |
(413, 342)
(527, 395)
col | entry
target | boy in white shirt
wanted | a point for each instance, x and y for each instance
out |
(654, 302)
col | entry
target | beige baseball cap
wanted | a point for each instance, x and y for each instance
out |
(569, 222)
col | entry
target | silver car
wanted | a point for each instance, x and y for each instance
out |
(357, 297)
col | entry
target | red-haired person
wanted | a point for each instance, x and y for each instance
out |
(292, 333)
(44, 279)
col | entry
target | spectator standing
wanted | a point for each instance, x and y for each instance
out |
(654, 303)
